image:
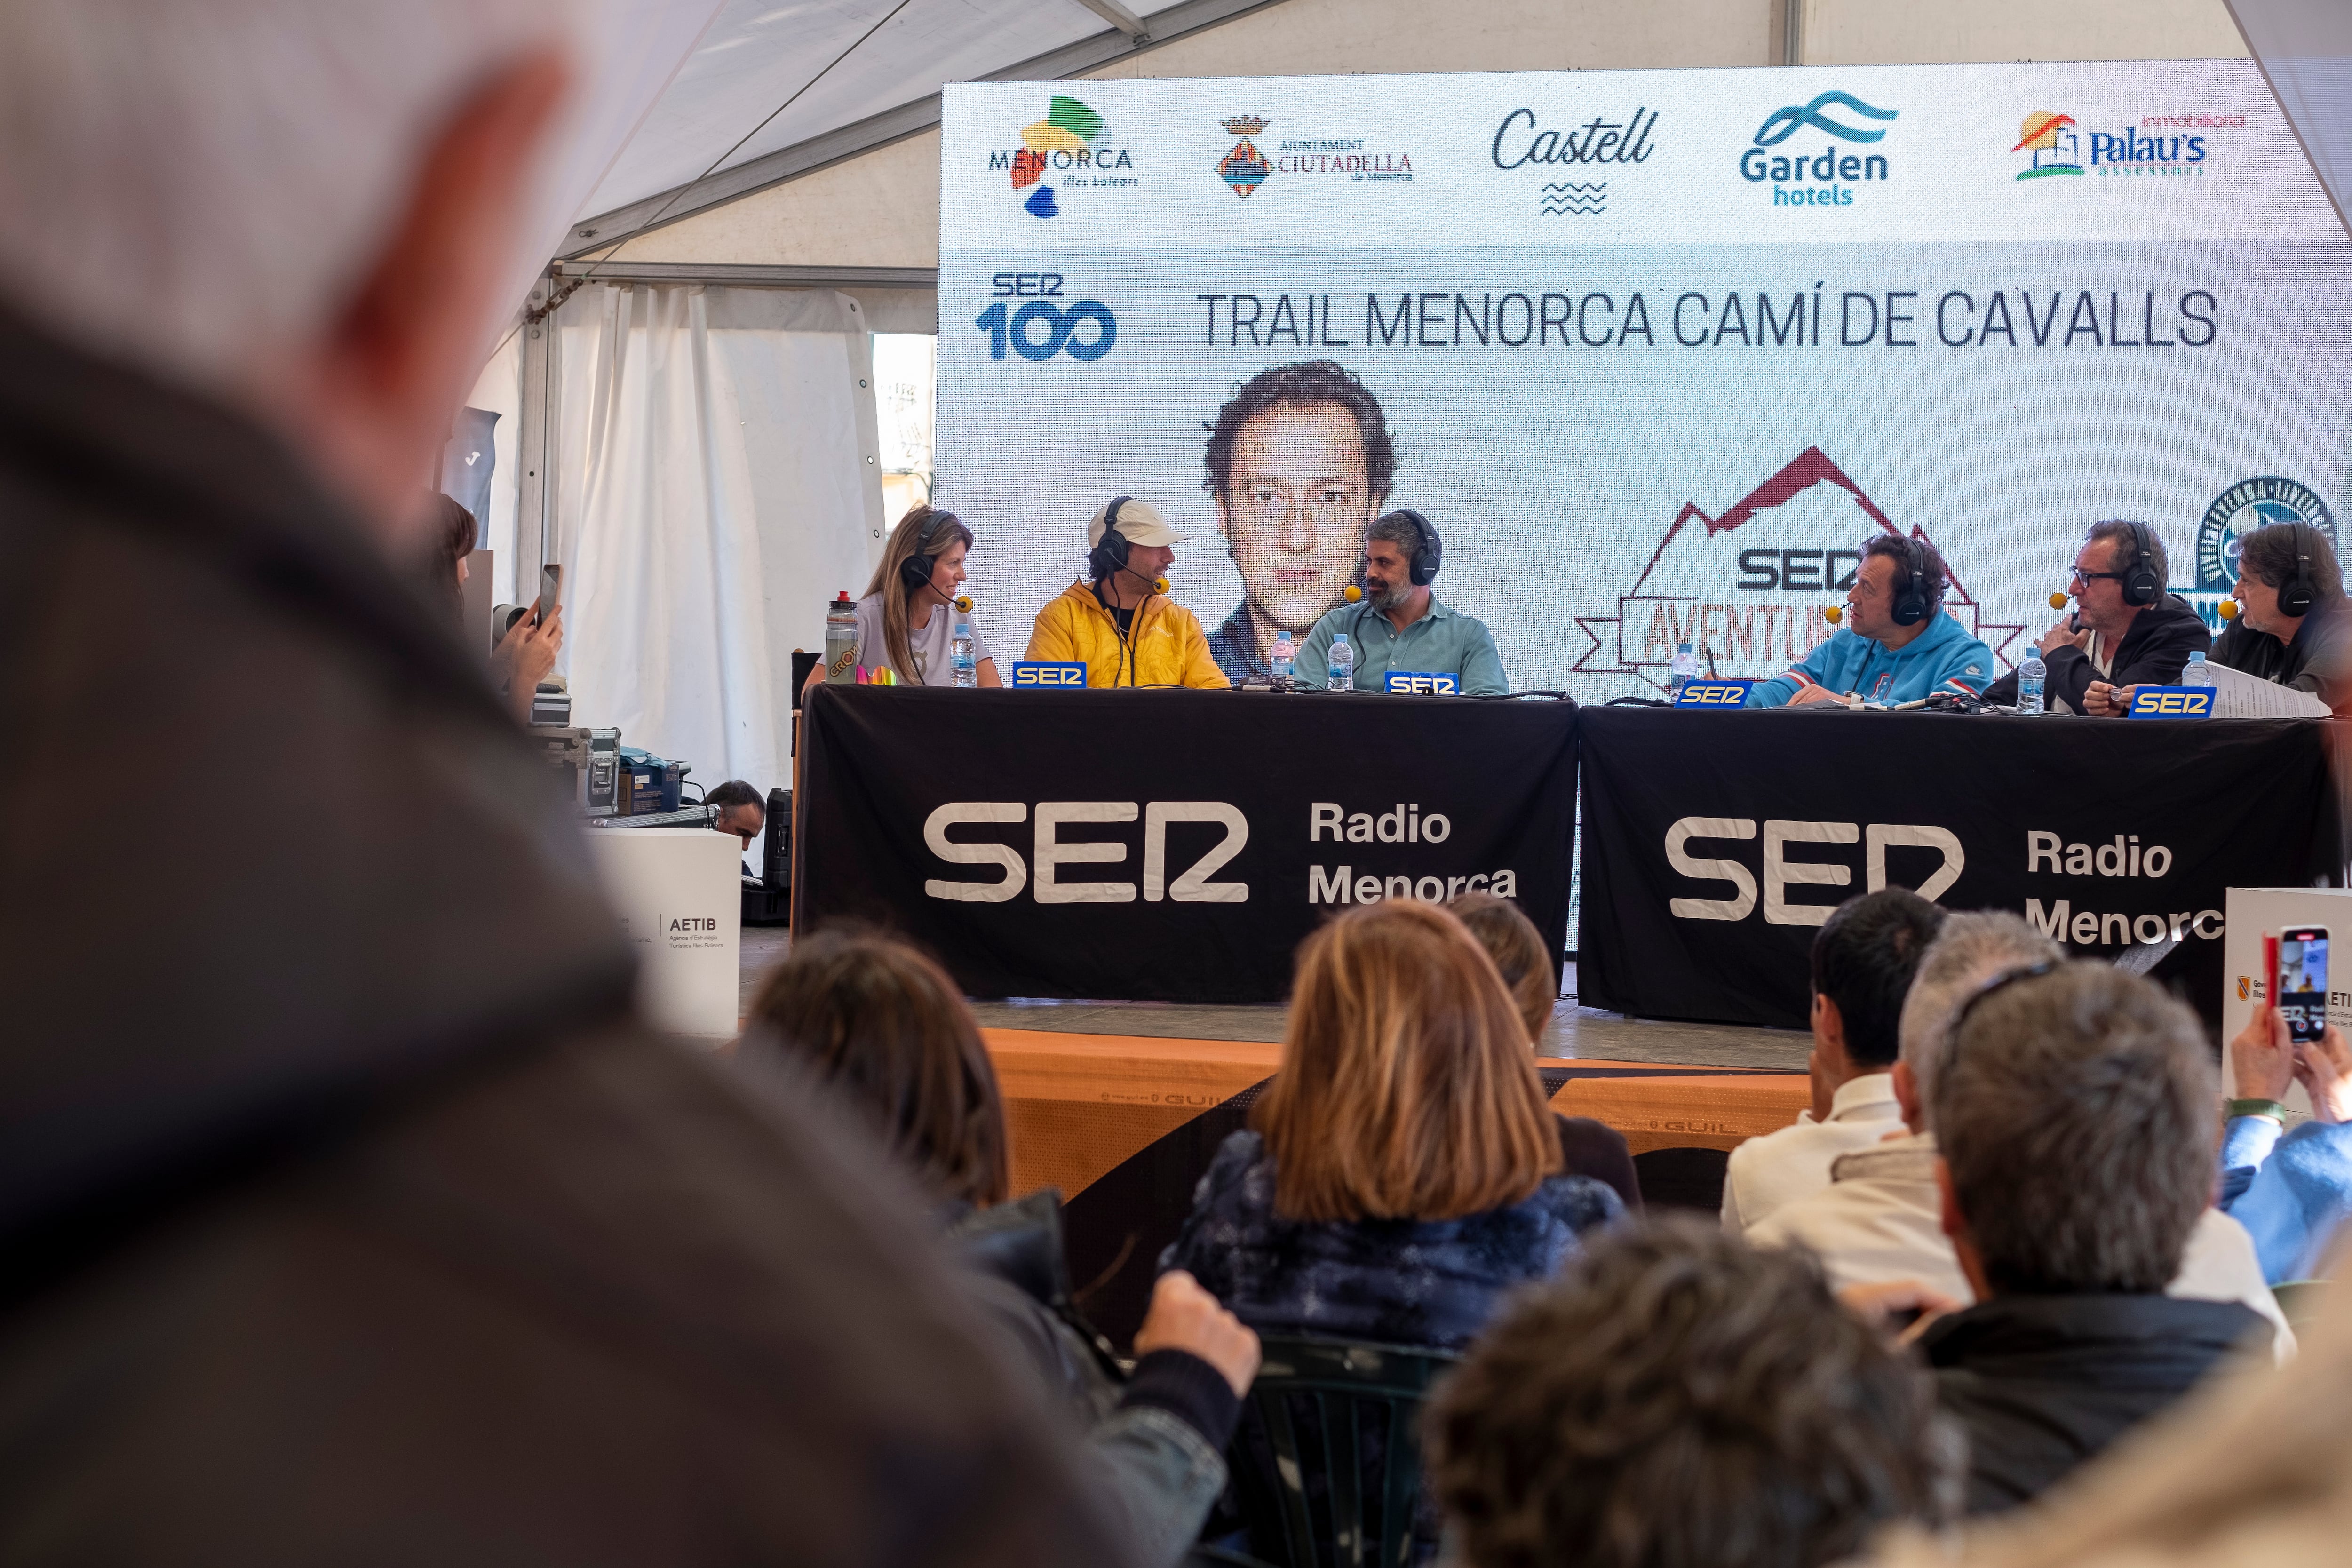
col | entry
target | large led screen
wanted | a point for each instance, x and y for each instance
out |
(1656, 351)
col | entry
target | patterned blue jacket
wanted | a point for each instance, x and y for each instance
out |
(1427, 1283)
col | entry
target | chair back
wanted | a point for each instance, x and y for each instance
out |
(1332, 1427)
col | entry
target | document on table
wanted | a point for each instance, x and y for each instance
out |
(2237, 695)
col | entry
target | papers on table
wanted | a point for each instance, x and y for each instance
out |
(2237, 695)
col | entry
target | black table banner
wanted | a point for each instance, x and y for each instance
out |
(1168, 844)
(1714, 844)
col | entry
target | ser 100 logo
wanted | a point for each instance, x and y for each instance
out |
(1019, 329)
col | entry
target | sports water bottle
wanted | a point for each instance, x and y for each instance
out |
(2199, 672)
(841, 641)
(1341, 669)
(1686, 671)
(2029, 676)
(1285, 654)
(961, 670)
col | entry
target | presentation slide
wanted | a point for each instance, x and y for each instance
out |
(1657, 351)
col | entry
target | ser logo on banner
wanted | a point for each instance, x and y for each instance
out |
(1048, 852)
(1781, 871)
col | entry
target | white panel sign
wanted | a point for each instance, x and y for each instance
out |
(679, 891)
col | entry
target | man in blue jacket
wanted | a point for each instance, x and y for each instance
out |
(1896, 646)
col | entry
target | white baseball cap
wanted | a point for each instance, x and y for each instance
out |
(1138, 523)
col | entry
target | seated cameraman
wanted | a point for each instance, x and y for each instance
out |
(2291, 627)
(2125, 631)
(1897, 645)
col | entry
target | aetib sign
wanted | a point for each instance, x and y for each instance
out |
(1049, 852)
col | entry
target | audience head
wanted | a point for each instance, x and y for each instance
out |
(2075, 1117)
(1679, 1400)
(1970, 950)
(886, 1028)
(453, 539)
(1407, 1090)
(742, 810)
(321, 209)
(1863, 958)
(1512, 940)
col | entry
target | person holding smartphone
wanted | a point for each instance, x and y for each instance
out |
(526, 651)
(2292, 1189)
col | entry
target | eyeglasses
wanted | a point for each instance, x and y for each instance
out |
(2082, 576)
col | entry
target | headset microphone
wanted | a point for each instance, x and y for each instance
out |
(1834, 614)
(2057, 601)
(2229, 609)
(1353, 593)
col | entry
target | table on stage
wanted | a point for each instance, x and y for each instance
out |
(1167, 845)
(1713, 843)
(1124, 1126)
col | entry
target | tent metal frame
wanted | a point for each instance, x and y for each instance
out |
(1124, 38)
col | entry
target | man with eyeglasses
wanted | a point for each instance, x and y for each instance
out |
(2109, 643)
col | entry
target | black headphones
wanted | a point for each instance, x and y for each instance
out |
(2299, 593)
(1109, 558)
(914, 571)
(1428, 554)
(2140, 583)
(1910, 605)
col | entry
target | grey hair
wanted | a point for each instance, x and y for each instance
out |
(2077, 1118)
(200, 184)
(2127, 550)
(1970, 950)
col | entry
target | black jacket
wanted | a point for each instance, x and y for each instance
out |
(345, 1213)
(2317, 659)
(2153, 653)
(2042, 1383)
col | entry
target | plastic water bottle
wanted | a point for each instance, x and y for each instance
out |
(1686, 671)
(2199, 672)
(962, 670)
(2029, 676)
(841, 641)
(1285, 654)
(1339, 672)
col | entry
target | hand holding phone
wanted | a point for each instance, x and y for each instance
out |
(551, 586)
(2302, 982)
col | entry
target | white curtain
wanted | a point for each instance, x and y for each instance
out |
(716, 485)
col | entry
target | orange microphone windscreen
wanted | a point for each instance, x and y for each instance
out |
(962, 601)
(2057, 601)
(1159, 584)
(1353, 593)
(2229, 609)
(1834, 614)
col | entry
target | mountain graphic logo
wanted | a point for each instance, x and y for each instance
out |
(2051, 138)
(1783, 124)
(1585, 200)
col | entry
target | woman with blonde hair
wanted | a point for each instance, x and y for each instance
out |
(1402, 1172)
(909, 614)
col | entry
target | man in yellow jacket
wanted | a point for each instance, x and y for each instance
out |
(1121, 625)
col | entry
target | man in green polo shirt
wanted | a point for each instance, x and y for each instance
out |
(1401, 625)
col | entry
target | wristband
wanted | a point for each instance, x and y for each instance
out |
(2270, 1107)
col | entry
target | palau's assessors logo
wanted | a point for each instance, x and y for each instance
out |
(1244, 168)
(1835, 172)
(1074, 144)
(2238, 511)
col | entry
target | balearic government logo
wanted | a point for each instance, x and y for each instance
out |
(1072, 142)
(2050, 140)
(1244, 168)
(1830, 177)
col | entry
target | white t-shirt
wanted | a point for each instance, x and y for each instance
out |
(928, 643)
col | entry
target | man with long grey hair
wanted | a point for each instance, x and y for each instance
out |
(347, 1212)
(1881, 1219)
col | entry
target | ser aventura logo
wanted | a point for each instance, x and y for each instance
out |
(1073, 143)
(1835, 172)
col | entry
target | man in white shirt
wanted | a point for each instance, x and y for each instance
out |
(1881, 1218)
(1864, 959)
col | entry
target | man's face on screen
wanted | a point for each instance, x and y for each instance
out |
(1295, 510)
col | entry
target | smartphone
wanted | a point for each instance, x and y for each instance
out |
(2302, 982)
(551, 586)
